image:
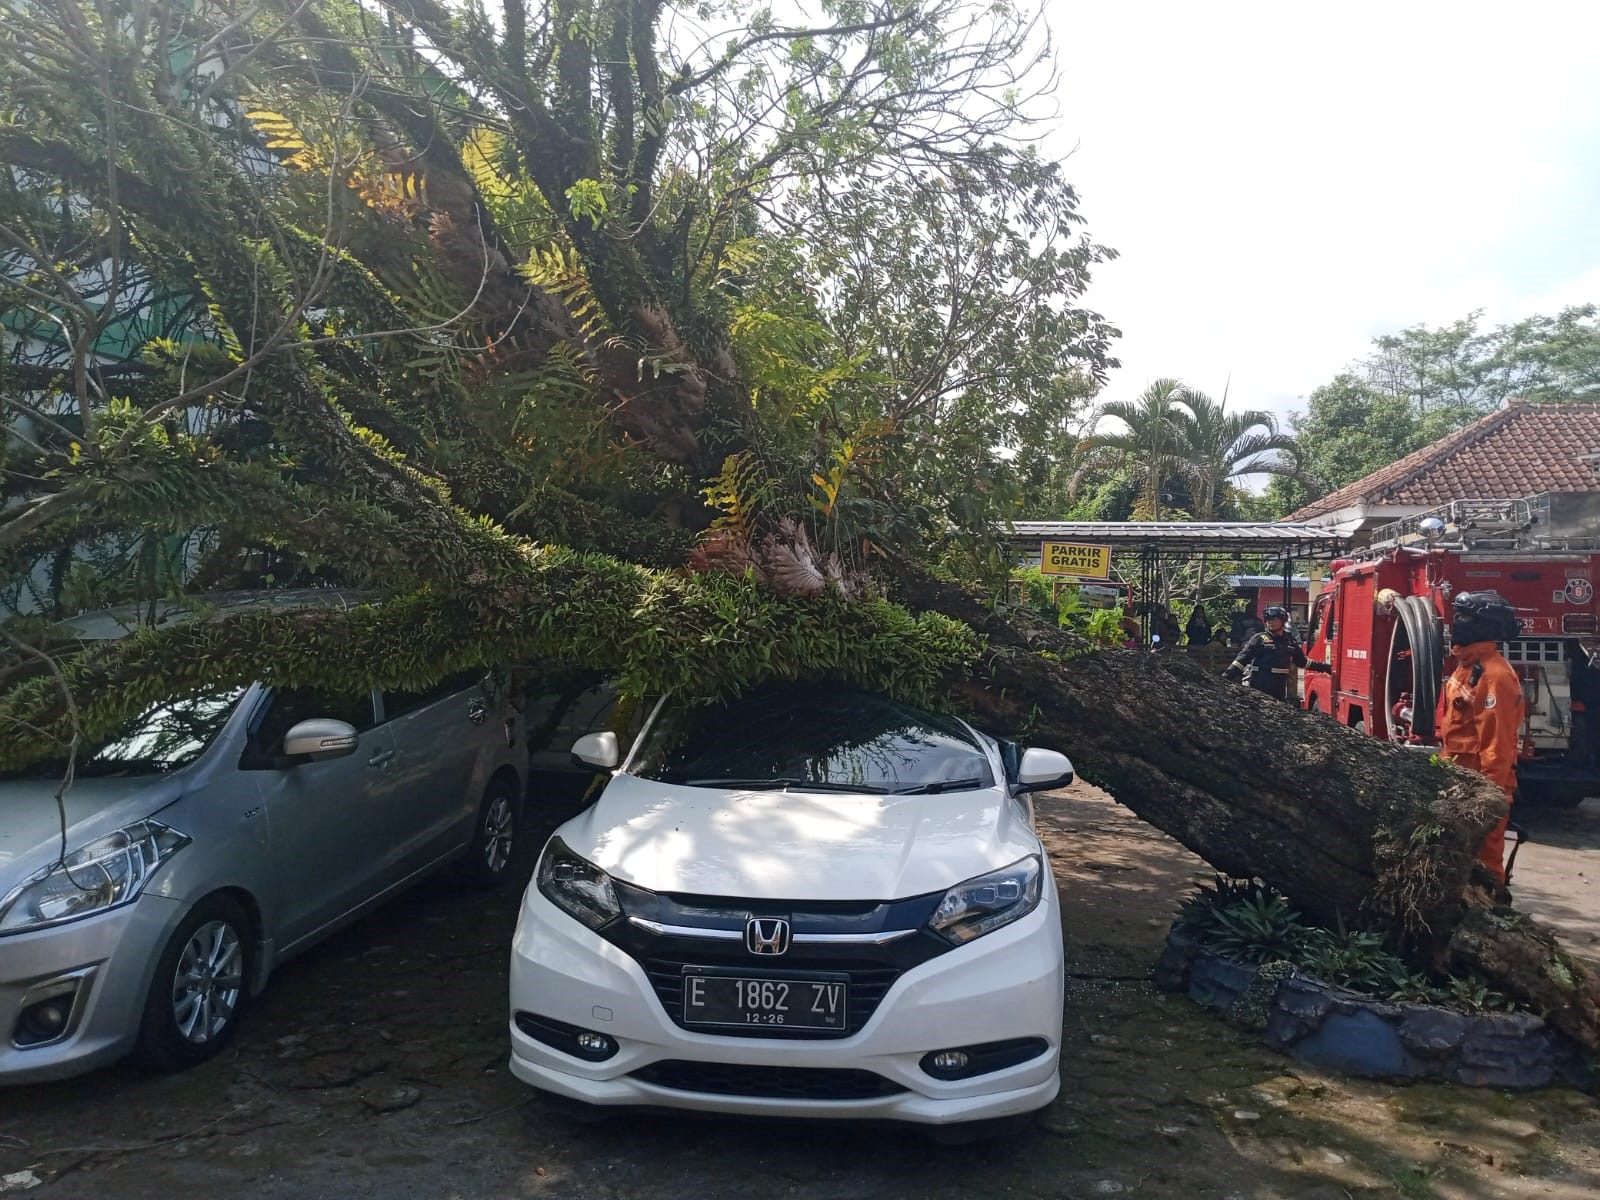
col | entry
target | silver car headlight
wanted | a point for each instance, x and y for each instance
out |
(576, 886)
(109, 871)
(989, 902)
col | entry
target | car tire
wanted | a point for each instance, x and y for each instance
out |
(495, 836)
(199, 987)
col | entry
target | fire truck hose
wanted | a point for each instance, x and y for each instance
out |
(1433, 640)
(1426, 639)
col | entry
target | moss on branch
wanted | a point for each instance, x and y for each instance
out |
(702, 633)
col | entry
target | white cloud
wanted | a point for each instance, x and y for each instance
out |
(1285, 181)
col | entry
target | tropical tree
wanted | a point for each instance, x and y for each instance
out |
(1220, 447)
(1150, 442)
(1465, 370)
(942, 294)
(1348, 430)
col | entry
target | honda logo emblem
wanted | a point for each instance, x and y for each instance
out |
(766, 935)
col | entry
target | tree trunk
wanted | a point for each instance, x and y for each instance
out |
(1350, 828)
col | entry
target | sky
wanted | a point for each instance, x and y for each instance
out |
(1286, 181)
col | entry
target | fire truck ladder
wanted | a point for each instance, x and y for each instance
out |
(1510, 524)
(1498, 524)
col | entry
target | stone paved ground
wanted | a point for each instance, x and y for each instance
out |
(374, 1067)
(1556, 876)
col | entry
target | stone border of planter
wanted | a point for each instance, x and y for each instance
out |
(1338, 1030)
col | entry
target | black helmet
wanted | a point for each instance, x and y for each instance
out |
(1483, 617)
(1277, 613)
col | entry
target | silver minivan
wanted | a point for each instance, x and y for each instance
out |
(215, 835)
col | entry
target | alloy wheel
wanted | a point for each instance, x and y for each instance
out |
(206, 986)
(498, 829)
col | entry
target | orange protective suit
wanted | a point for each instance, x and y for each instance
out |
(1482, 728)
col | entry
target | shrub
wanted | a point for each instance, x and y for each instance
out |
(1247, 921)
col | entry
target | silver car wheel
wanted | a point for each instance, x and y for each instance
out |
(498, 829)
(206, 985)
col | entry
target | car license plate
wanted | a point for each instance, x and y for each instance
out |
(729, 1000)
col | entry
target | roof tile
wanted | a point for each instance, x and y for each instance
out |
(1519, 450)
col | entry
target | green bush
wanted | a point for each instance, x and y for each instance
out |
(1064, 606)
(1247, 921)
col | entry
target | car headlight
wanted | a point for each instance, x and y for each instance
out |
(109, 871)
(576, 886)
(988, 902)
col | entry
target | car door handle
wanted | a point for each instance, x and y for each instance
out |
(380, 758)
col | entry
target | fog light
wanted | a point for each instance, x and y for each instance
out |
(43, 1022)
(967, 1062)
(569, 1039)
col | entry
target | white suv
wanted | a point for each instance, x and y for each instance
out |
(806, 901)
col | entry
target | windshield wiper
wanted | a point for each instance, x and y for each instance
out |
(752, 785)
(943, 785)
(770, 785)
(116, 768)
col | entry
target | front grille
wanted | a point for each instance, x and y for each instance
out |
(1530, 650)
(868, 986)
(871, 969)
(768, 1083)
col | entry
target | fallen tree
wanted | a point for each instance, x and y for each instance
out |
(560, 340)
(1357, 832)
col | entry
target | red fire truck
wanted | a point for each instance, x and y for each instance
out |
(1382, 623)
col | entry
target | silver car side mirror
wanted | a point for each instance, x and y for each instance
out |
(1042, 770)
(597, 750)
(321, 738)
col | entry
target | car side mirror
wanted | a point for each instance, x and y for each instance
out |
(1042, 770)
(597, 750)
(320, 739)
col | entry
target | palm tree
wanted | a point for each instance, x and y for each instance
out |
(1152, 441)
(1219, 447)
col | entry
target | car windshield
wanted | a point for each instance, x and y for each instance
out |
(167, 735)
(811, 738)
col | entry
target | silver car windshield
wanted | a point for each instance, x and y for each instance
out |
(164, 737)
(817, 738)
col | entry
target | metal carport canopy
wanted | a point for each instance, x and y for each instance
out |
(1154, 541)
(1279, 539)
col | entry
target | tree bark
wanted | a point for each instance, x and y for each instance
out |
(1351, 829)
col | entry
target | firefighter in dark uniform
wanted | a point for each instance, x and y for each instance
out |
(1268, 659)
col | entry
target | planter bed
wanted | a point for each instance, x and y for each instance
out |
(1340, 1030)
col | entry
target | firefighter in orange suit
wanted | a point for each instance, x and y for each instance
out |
(1482, 726)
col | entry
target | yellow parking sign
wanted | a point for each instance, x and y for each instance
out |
(1073, 558)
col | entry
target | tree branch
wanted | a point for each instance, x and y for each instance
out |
(688, 82)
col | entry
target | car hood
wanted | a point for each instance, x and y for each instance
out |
(789, 845)
(30, 822)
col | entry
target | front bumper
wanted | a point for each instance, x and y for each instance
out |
(1005, 985)
(108, 959)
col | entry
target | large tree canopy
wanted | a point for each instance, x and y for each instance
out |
(671, 339)
(316, 271)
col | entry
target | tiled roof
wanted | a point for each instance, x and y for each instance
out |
(1519, 450)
